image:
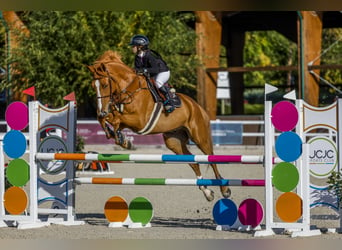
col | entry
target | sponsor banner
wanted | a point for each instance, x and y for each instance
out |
(222, 133)
(93, 134)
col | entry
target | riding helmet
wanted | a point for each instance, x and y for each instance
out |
(139, 40)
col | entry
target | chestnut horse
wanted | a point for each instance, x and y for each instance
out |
(124, 101)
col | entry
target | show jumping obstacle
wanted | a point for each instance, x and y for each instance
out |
(155, 158)
(291, 181)
(177, 182)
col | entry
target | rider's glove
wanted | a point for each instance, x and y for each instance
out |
(142, 71)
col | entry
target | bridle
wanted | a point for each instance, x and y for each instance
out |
(116, 100)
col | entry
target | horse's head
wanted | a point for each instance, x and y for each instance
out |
(103, 85)
(111, 77)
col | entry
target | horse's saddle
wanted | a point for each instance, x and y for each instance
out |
(159, 97)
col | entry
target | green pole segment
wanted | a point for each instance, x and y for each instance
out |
(149, 181)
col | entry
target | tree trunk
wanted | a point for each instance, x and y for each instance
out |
(312, 40)
(208, 29)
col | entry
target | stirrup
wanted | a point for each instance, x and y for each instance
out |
(168, 107)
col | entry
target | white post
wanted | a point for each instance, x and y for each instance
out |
(268, 165)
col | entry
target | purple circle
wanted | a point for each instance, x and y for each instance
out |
(16, 115)
(284, 116)
(250, 212)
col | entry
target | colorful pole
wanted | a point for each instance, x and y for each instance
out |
(163, 181)
(154, 158)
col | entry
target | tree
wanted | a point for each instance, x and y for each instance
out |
(268, 48)
(60, 44)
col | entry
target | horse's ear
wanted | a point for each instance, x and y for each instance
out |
(91, 68)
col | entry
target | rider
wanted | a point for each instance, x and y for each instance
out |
(150, 62)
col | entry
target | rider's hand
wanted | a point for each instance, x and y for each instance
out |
(142, 71)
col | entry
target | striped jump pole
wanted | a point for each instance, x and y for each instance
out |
(155, 158)
(177, 182)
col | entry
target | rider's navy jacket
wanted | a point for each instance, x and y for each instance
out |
(151, 61)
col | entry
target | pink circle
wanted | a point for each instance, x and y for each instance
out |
(250, 213)
(16, 115)
(284, 116)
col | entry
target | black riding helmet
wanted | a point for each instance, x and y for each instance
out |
(139, 40)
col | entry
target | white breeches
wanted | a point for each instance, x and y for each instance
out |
(162, 78)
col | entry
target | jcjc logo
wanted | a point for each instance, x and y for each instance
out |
(322, 154)
(322, 150)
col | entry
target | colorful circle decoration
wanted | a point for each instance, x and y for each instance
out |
(285, 176)
(16, 115)
(289, 207)
(116, 209)
(140, 210)
(250, 212)
(14, 144)
(225, 212)
(284, 116)
(288, 146)
(15, 200)
(18, 172)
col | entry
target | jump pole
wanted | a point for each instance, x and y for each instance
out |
(155, 158)
(167, 181)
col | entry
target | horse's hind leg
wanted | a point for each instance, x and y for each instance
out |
(176, 142)
(225, 190)
(204, 143)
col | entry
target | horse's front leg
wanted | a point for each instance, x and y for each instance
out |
(115, 132)
(104, 124)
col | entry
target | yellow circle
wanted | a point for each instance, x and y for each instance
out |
(116, 209)
(15, 200)
(289, 207)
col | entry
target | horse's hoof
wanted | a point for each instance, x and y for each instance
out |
(127, 144)
(226, 193)
(209, 194)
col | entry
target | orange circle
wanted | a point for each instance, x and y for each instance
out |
(289, 207)
(15, 200)
(116, 209)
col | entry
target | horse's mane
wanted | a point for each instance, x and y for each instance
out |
(109, 56)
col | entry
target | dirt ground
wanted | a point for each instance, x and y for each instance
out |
(178, 212)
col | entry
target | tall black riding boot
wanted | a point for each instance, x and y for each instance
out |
(168, 103)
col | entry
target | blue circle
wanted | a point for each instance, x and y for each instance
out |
(225, 212)
(14, 144)
(288, 146)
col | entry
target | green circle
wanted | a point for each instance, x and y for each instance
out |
(140, 210)
(285, 176)
(18, 173)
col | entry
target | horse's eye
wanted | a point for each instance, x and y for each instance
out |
(104, 86)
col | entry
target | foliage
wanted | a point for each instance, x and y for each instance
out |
(54, 57)
(62, 43)
(331, 51)
(268, 48)
(335, 185)
(79, 143)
